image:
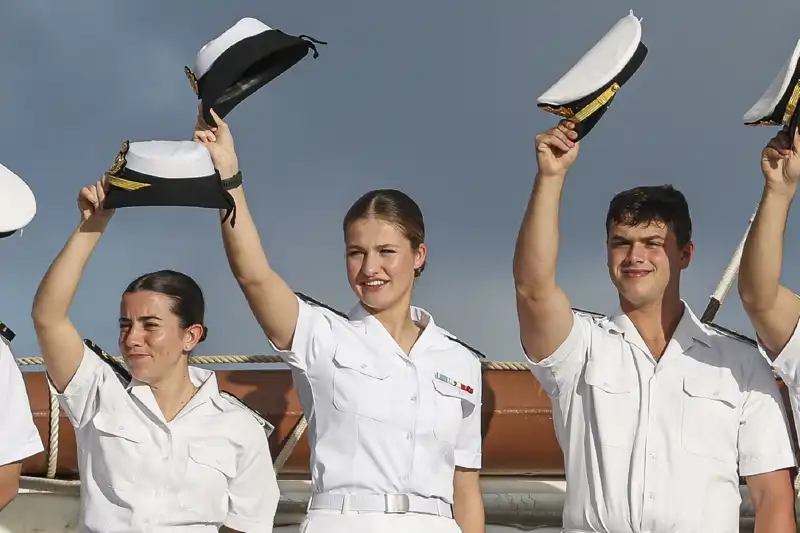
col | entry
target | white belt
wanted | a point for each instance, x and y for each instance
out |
(381, 503)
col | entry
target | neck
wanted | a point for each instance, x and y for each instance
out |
(396, 320)
(173, 393)
(656, 322)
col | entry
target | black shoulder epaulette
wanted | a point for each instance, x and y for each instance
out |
(118, 369)
(467, 346)
(6, 332)
(268, 428)
(733, 334)
(311, 301)
(593, 314)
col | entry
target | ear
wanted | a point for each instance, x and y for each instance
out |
(687, 252)
(192, 337)
(420, 256)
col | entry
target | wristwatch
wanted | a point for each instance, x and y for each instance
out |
(232, 182)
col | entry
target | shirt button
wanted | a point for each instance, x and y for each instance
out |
(413, 398)
(363, 366)
(408, 436)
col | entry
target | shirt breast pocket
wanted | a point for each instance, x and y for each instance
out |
(710, 417)
(117, 451)
(452, 405)
(361, 386)
(204, 490)
(613, 410)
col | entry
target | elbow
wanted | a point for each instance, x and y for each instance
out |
(755, 300)
(44, 318)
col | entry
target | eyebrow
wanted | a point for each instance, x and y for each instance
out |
(356, 247)
(655, 237)
(141, 318)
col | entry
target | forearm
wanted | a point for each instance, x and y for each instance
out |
(468, 509)
(246, 256)
(59, 285)
(9, 483)
(762, 256)
(775, 516)
(536, 253)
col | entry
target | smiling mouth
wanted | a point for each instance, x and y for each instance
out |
(374, 284)
(635, 273)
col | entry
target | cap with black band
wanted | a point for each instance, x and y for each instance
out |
(167, 173)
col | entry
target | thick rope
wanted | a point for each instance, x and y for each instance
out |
(244, 359)
(291, 442)
(55, 414)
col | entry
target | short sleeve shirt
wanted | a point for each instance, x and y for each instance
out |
(381, 421)
(659, 446)
(20, 438)
(210, 466)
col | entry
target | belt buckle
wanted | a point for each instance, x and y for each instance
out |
(397, 503)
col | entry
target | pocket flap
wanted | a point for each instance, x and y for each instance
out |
(712, 387)
(609, 379)
(357, 360)
(116, 426)
(215, 456)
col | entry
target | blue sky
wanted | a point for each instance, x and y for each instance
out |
(435, 98)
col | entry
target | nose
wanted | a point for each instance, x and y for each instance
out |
(133, 337)
(371, 263)
(636, 253)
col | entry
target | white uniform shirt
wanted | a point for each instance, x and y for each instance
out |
(207, 467)
(787, 366)
(653, 447)
(19, 438)
(381, 421)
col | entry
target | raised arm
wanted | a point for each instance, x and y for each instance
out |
(544, 312)
(773, 309)
(59, 341)
(271, 300)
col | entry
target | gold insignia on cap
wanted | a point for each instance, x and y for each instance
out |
(604, 98)
(119, 161)
(560, 111)
(192, 80)
(128, 185)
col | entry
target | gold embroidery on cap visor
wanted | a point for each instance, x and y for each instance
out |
(602, 99)
(791, 105)
(116, 168)
(192, 80)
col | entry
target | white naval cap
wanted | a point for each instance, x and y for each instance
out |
(166, 173)
(240, 61)
(584, 93)
(778, 105)
(17, 203)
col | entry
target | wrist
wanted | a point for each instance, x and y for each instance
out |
(551, 175)
(781, 191)
(232, 182)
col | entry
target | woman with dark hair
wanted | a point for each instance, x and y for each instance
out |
(165, 450)
(393, 401)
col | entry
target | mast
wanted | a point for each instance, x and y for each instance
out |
(724, 285)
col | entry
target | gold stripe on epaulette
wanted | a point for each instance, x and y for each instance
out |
(128, 185)
(604, 98)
